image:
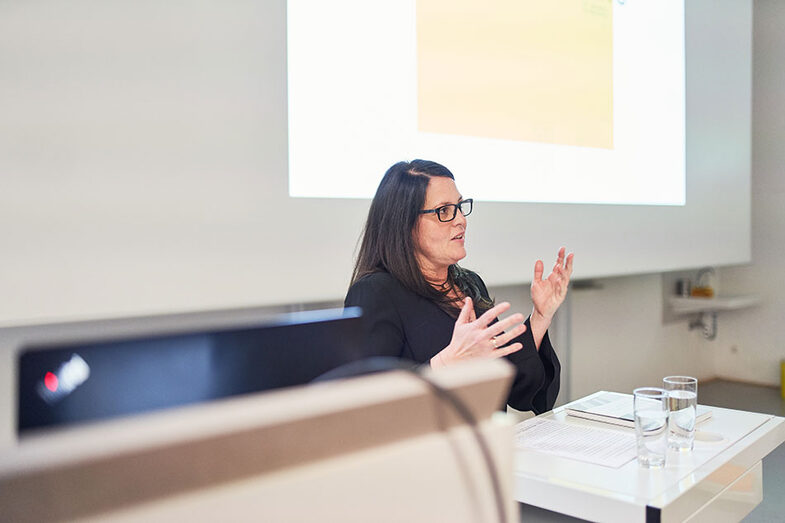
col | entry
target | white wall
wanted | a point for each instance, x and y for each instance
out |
(619, 341)
(751, 343)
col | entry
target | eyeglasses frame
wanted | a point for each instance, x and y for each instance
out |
(455, 207)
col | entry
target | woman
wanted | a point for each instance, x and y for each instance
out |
(420, 305)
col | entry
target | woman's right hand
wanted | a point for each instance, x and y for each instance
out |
(473, 338)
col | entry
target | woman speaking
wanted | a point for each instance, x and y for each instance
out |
(420, 305)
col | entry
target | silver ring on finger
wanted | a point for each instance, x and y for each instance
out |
(493, 342)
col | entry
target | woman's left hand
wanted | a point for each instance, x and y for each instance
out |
(549, 293)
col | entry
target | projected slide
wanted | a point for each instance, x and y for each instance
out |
(535, 71)
(576, 101)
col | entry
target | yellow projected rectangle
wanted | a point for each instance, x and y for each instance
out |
(527, 70)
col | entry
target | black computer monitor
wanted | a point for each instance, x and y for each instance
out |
(89, 380)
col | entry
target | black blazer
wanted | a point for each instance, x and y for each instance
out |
(402, 324)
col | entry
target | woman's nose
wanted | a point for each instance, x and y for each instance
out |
(459, 217)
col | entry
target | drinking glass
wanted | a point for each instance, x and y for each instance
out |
(682, 403)
(650, 406)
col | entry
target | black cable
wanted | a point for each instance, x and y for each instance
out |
(383, 364)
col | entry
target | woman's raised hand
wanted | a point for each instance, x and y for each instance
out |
(549, 293)
(477, 338)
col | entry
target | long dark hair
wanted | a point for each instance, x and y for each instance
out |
(387, 240)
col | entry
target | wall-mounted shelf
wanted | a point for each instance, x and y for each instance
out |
(682, 306)
(707, 309)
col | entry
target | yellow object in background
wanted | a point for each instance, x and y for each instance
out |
(702, 292)
(782, 378)
(704, 283)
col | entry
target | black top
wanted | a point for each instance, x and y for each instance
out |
(402, 324)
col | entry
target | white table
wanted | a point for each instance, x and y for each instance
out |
(717, 481)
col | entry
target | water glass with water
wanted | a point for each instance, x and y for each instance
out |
(650, 407)
(683, 404)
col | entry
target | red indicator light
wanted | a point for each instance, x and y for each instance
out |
(50, 380)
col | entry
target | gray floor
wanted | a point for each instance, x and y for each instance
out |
(734, 396)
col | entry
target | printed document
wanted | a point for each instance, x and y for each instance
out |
(610, 448)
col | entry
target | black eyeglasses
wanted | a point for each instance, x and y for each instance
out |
(447, 213)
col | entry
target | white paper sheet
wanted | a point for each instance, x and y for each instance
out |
(609, 448)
